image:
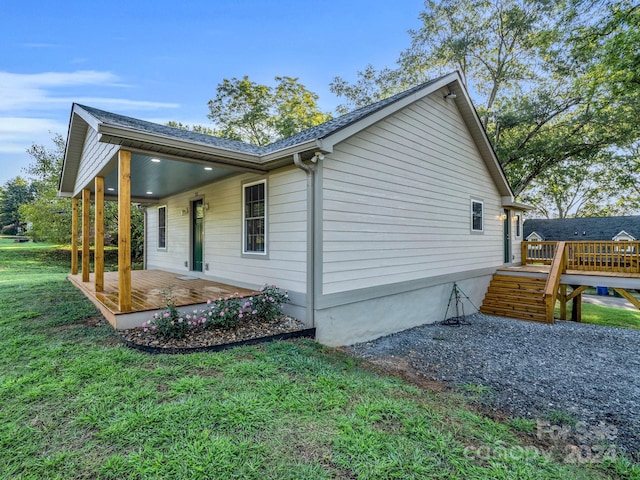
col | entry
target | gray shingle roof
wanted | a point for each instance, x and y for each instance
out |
(171, 132)
(334, 125)
(318, 132)
(585, 228)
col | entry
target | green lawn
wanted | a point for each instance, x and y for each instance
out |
(609, 316)
(77, 404)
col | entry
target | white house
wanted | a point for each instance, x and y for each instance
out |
(367, 220)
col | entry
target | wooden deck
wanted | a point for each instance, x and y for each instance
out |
(544, 269)
(149, 294)
(561, 271)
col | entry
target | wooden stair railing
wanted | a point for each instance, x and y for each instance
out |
(558, 267)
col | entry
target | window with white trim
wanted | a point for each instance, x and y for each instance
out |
(518, 226)
(162, 227)
(254, 218)
(477, 216)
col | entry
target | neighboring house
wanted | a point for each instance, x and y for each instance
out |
(624, 228)
(367, 220)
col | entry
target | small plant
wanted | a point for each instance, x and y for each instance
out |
(270, 303)
(561, 417)
(225, 312)
(170, 322)
(521, 424)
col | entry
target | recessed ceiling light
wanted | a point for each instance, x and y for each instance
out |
(149, 193)
(208, 168)
(155, 160)
(111, 189)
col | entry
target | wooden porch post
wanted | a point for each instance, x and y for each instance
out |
(74, 236)
(563, 302)
(576, 311)
(99, 235)
(124, 230)
(86, 218)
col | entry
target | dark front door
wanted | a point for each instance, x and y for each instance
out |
(197, 234)
(507, 236)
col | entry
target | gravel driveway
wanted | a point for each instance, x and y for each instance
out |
(531, 369)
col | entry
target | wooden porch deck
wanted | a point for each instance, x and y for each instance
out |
(149, 289)
(545, 269)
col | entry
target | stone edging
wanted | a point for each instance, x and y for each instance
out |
(307, 333)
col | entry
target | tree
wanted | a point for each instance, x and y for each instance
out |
(541, 75)
(259, 114)
(49, 216)
(579, 188)
(192, 128)
(15, 193)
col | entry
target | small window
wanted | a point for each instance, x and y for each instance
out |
(254, 213)
(517, 225)
(162, 227)
(477, 223)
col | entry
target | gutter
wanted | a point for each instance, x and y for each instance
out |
(310, 170)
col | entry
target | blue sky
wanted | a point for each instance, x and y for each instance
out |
(162, 60)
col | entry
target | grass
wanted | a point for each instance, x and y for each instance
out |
(606, 316)
(77, 404)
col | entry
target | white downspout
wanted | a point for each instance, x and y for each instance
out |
(310, 170)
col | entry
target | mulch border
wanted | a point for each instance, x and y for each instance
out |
(305, 333)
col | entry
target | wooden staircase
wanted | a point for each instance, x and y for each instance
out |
(516, 296)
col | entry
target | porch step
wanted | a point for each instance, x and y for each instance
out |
(516, 296)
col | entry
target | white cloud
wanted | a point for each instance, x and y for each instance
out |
(18, 133)
(28, 92)
(35, 106)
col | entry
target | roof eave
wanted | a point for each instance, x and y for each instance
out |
(79, 122)
(479, 134)
(123, 136)
(330, 140)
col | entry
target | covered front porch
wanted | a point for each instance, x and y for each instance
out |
(150, 290)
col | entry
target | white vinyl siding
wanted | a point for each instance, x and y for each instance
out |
(396, 201)
(286, 223)
(94, 156)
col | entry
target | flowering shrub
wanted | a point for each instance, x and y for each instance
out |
(168, 323)
(269, 305)
(224, 312)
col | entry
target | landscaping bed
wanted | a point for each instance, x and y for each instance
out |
(250, 331)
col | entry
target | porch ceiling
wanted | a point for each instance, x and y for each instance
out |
(154, 176)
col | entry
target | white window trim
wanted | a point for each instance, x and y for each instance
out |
(266, 226)
(166, 227)
(473, 230)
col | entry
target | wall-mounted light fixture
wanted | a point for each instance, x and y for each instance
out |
(206, 206)
(184, 211)
(450, 95)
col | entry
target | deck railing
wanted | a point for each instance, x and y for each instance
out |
(623, 257)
